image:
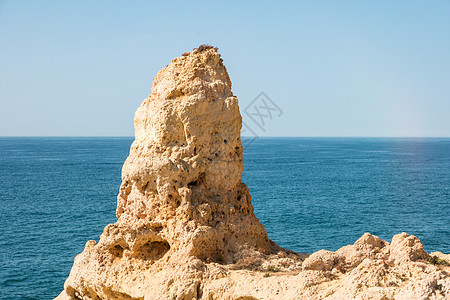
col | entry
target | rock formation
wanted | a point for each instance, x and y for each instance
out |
(186, 227)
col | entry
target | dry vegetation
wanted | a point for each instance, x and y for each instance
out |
(201, 48)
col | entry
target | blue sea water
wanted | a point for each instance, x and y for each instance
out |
(310, 193)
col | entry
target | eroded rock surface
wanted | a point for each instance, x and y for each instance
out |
(186, 227)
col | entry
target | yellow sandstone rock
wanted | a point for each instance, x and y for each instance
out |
(186, 227)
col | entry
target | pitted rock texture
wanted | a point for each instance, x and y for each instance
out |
(182, 179)
(186, 227)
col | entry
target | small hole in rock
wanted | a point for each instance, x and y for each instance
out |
(152, 250)
(117, 250)
(225, 141)
(192, 184)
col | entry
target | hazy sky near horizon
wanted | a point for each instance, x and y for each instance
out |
(335, 68)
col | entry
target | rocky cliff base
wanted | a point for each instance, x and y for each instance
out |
(369, 269)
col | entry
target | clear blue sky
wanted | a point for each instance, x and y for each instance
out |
(336, 68)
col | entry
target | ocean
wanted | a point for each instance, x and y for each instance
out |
(310, 193)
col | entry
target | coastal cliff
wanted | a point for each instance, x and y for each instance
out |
(186, 227)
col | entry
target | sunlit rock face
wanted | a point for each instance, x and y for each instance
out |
(182, 178)
(186, 227)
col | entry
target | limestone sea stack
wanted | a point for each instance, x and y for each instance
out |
(186, 227)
